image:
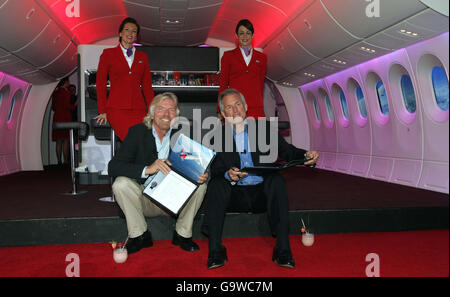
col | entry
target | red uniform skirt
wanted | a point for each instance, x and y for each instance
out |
(122, 119)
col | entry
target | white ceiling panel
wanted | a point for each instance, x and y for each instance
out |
(387, 41)
(147, 16)
(295, 80)
(149, 36)
(64, 65)
(3, 53)
(153, 3)
(409, 32)
(36, 77)
(355, 15)
(201, 17)
(287, 53)
(174, 4)
(195, 37)
(8, 59)
(15, 66)
(359, 53)
(204, 3)
(20, 23)
(318, 33)
(274, 70)
(56, 41)
(431, 20)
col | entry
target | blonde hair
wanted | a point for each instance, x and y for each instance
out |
(148, 119)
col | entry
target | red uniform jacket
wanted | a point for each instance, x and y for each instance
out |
(249, 80)
(125, 92)
(63, 111)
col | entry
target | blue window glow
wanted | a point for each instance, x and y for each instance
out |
(344, 104)
(382, 98)
(440, 86)
(361, 102)
(1, 97)
(409, 98)
(11, 107)
(329, 108)
(316, 108)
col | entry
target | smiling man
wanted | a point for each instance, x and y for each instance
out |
(143, 153)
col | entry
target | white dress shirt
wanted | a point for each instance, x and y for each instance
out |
(248, 58)
(129, 59)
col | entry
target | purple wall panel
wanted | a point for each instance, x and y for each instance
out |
(9, 128)
(401, 147)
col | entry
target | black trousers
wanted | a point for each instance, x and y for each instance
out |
(270, 196)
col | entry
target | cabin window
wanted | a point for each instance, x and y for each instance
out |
(440, 87)
(361, 102)
(316, 108)
(329, 108)
(344, 104)
(382, 98)
(11, 107)
(409, 97)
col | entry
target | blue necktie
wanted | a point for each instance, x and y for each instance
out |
(247, 51)
(129, 51)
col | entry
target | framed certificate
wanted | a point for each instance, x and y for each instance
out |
(189, 160)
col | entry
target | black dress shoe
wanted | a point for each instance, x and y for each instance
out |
(136, 244)
(283, 258)
(185, 243)
(217, 258)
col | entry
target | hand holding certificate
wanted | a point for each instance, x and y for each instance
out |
(187, 163)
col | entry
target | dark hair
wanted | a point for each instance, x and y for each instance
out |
(247, 24)
(126, 21)
(62, 81)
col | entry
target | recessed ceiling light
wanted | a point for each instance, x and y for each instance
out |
(172, 21)
(309, 74)
(408, 33)
(366, 49)
(339, 61)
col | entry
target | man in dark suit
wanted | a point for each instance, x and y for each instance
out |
(234, 190)
(143, 153)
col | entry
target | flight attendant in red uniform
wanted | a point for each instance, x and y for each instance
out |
(244, 69)
(128, 72)
(63, 113)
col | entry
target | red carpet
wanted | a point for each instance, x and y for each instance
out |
(403, 254)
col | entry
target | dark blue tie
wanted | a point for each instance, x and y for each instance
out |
(129, 51)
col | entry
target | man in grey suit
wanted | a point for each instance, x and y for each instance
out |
(143, 153)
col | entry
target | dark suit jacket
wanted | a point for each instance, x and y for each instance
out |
(137, 151)
(225, 160)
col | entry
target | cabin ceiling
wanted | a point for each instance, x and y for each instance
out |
(304, 39)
